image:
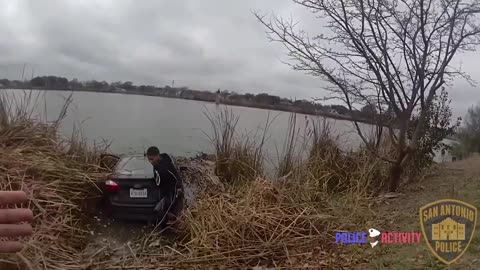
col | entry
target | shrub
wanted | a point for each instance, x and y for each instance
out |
(438, 127)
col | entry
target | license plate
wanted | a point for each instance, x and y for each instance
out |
(138, 193)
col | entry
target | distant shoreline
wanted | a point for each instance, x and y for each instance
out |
(230, 103)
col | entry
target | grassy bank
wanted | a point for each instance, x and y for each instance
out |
(241, 219)
(456, 180)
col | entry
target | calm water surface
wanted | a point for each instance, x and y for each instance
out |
(132, 123)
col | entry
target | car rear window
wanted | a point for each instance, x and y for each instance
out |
(133, 164)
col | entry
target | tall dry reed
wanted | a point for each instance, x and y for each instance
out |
(239, 158)
(37, 160)
(288, 159)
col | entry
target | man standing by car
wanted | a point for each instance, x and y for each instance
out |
(169, 182)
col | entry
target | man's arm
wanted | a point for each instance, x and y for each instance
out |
(174, 170)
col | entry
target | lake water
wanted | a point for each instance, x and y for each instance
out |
(132, 123)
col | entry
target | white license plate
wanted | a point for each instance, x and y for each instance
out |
(138, 193)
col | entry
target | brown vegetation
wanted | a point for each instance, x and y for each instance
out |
(56, 178)
(238, 157)
(250, 221)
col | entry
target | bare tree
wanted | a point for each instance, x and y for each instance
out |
(394, 54)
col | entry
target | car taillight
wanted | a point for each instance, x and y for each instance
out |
(111, 186)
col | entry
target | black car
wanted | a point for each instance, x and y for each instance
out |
(132, 193)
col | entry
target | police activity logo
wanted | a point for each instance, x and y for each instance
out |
(448, 227)
(374, 237)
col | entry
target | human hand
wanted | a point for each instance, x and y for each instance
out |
(10, 219)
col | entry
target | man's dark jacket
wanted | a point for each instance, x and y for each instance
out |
(168, 175)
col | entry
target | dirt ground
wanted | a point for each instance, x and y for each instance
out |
(457, 180)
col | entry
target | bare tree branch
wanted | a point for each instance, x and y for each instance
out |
(395, 54)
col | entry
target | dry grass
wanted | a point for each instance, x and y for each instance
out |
(283, 224)
(238, 158)
(35, 159)
(288, 159)
(324, 169)
(259, 224)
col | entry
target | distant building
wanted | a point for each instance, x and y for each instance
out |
(230, 97)
(332, 111)
(120, 90)
(445, 155)
(186, 94)
(204, 95)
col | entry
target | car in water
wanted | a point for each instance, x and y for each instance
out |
(131, 192)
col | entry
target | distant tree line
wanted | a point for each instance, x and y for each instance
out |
(262, 100)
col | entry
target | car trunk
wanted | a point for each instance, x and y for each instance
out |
(136, 184)
(136, 191)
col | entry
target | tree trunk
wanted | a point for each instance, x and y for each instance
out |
(395, 174)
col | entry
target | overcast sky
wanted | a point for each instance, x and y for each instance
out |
(202, 44)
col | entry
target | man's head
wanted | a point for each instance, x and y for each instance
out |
(153, 154)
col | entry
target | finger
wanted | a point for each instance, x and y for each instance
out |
(12, 197)
(10, 246)
(15, 215)
(15, 230)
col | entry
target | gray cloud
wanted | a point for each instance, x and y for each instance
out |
(201, 44)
